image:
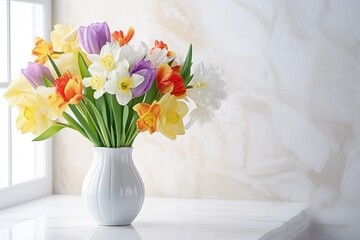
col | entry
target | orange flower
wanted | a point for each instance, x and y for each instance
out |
(169, 80)
(69, 87)
(121, 39)
(162, 45)
(148, 116)
(42, 49)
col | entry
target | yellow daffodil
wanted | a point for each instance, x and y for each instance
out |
(42, 50)
(55, 103)
(17, 89)
(32, 117)
(170, 122)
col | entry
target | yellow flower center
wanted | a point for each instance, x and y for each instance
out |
(29, 113)
(172, 117)
(200, 84)
(96, 82)
(125, 84)
(149, 119)
(107, 62)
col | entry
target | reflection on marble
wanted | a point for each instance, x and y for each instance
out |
(124, 232)
(292, 116)
(65, 217)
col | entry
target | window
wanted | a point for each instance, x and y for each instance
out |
(25, 166)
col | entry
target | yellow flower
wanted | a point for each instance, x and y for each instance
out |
(32, 117)
(170, 122)
(55, 103)
(148, 115)
(42, 50)
(66, 62)
(17, 89)
(64, 38)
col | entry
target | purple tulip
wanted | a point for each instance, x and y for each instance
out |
(144, 69)
(93, 37)
(34, 73)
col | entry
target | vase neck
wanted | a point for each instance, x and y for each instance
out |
(113, 154)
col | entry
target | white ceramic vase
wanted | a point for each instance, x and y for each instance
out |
(113, 190)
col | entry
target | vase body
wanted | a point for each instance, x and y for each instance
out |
(113, 190)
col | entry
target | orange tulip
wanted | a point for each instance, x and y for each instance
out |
(169, 80)
(121, 39)
(70, 88)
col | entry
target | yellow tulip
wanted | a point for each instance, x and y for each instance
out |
(64, 38)
(170, 122)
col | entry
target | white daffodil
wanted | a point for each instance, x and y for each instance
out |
(131, 55)
(206, 90)
(120, 83)
(96, 82)
(108, 61)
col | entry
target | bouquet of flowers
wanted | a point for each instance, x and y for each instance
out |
(93, 81)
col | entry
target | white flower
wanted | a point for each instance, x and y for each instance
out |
(96, 82)
(108, 61)
(159, 56)
(129, 53)
(206, 90)
(120, 83)
(201, 115)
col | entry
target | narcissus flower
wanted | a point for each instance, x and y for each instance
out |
(70, 88)
(123, 39)
(121, 84)
(108, 61)
(93, 37)
(96, 82)
(55, 103)
(207, 92)
(34, 73)
(148, 116)
(169, 81)
(170, 122)
(17, 89)
(42, 50)
(32, 117)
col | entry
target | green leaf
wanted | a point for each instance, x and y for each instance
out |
(99, 121)
(54, 66)
(51, 131)
(74, 124)
(125, 114)
(84, 72)
(88, 128)
(47, 82)
(117, 109)
(83, 66)
(186, 69)
(149, 98)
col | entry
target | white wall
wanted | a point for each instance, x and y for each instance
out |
(291, 119)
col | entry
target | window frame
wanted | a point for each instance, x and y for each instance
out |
(41, 186)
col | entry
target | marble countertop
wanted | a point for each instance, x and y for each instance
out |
(65, 217)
